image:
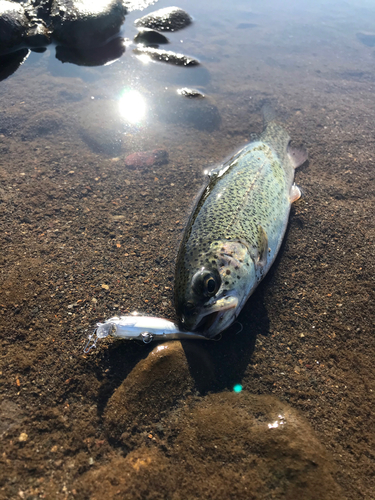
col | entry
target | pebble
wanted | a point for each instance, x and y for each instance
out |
(166, 56)
(23, 437)
(148, 36)
(190, 93)
(168, 19)
(147, 158)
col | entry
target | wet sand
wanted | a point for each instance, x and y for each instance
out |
(83, 237)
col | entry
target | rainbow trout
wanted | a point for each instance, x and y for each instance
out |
(235, 231)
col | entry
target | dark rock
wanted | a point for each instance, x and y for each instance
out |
(190, 93)
(168, 19)
(93, 56)
(150, 37)
(79, 24)
(38, 10)
(166, 56)
(9, 63)
(38, 35)
(367, 39)
(13, 25)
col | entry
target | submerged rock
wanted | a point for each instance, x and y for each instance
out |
(166, 56)
(150, 37)
(222, 445)
(151, 389)
(147, 159)
(168, 19)
(85, 23)
(13, 25)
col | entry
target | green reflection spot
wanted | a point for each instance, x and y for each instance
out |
(237, 388)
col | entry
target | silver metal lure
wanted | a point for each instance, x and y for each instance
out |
(134, 327)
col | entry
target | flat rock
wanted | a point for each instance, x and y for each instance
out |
(150, 390)
(168, 19)
(222, 445)
(166, 56)
(83, 23)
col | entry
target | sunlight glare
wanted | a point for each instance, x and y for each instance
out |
(132, 106)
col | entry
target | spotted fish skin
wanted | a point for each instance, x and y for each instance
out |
(235, 232)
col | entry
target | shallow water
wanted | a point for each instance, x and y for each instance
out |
(87, 233)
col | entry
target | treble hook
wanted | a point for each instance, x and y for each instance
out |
(93, 338)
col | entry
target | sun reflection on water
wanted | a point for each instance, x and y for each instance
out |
(132, 106)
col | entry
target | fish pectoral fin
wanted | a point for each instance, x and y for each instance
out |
(294, 194)
(297, 155)
(259, 254)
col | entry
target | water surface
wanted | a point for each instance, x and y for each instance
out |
(87, 234)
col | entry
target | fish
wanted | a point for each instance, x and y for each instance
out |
(235, 230)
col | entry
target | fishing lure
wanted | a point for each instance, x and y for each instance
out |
(134, 327)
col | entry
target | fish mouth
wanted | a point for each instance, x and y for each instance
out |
(218, 318)
(206, 322)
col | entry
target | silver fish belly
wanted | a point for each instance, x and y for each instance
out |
(235, 232)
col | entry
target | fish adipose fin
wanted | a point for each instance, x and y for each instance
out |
(297, 155)
(295, 193)
(259, 254)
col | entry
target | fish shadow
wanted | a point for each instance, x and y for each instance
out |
(217, 365)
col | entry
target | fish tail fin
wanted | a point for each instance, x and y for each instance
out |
(269, 114)
(273, 132)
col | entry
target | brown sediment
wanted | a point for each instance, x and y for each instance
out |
(73, 219)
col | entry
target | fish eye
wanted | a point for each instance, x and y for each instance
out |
(206, 283)
(210, 285)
